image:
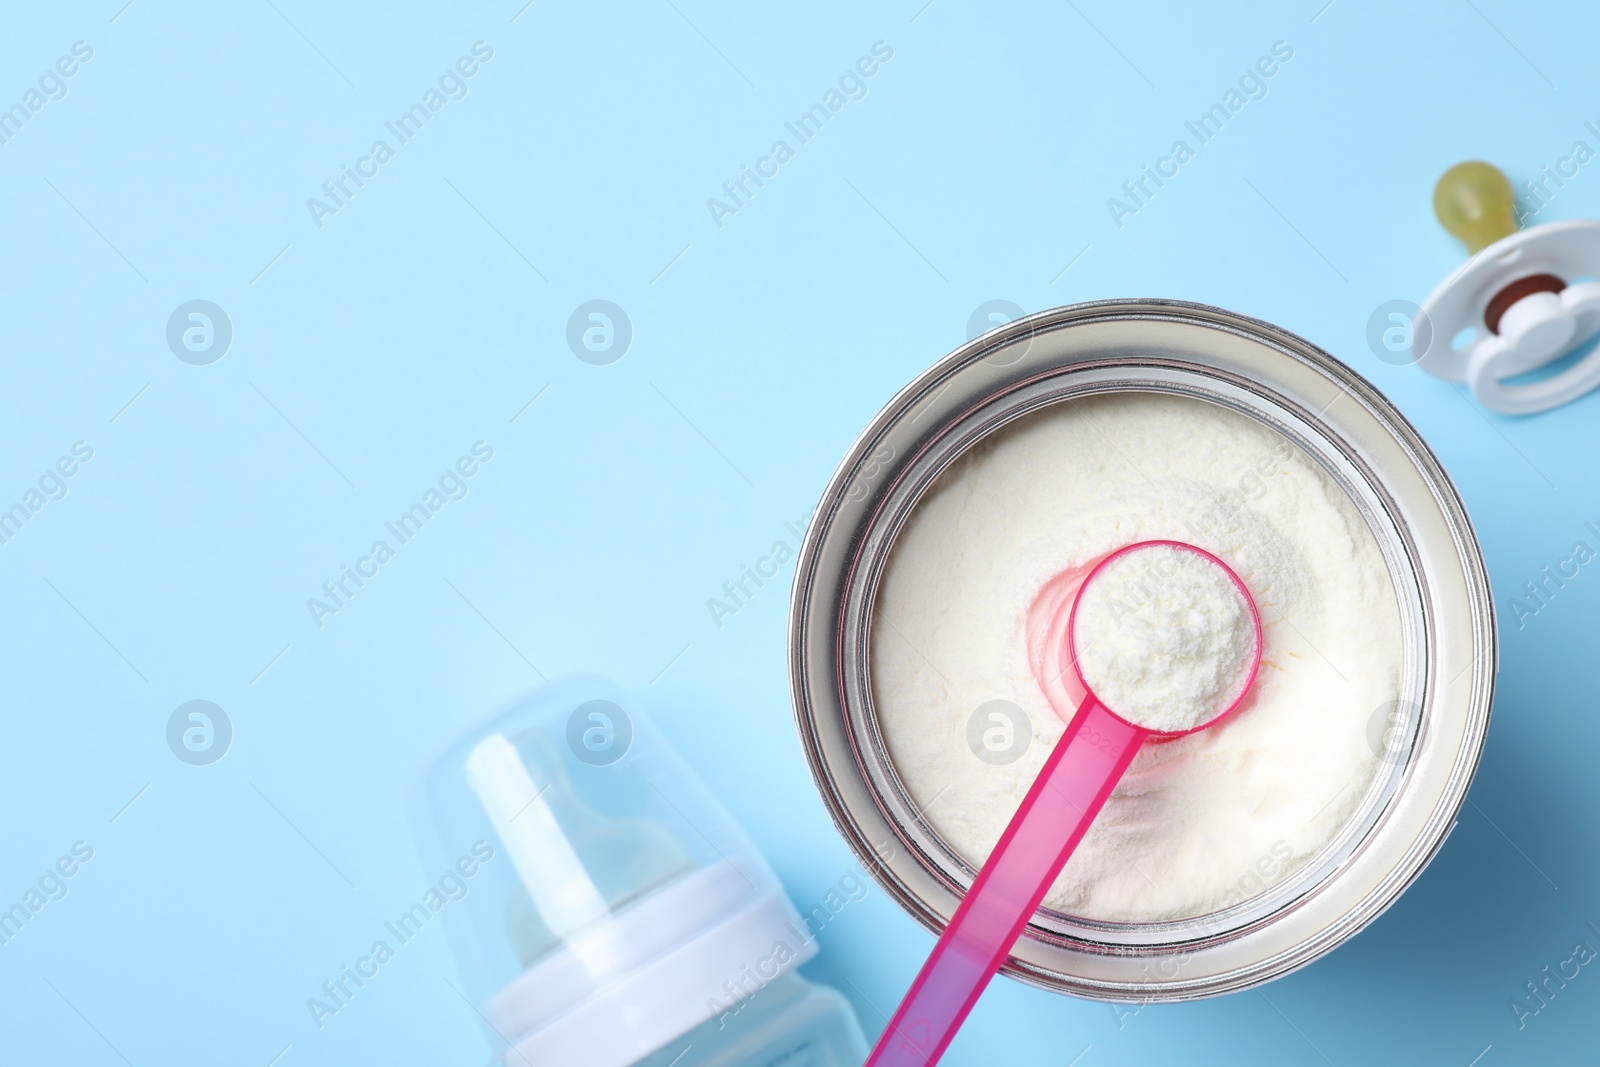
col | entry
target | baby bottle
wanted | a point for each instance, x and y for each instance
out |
(617, 914)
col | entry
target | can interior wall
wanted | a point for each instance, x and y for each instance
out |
(1450, 655)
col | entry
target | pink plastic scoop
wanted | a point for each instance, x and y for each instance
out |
(1076, 779)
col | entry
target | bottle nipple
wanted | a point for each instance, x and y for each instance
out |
(1474, 202)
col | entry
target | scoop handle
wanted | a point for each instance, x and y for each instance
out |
(1074, 783)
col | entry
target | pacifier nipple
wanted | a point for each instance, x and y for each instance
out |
(1474, 202)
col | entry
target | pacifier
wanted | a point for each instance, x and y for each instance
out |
(1524, 299)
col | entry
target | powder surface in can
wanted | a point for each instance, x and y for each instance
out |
(969, 613)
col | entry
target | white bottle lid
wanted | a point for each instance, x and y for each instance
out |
(630, 983)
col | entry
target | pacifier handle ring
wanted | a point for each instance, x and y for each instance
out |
(1534, 397)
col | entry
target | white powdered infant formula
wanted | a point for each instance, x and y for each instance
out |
(1164, 637)
(969, 611)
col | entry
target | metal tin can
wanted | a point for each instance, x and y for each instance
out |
(1276, 378)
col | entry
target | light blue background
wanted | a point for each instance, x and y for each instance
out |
(427, 313)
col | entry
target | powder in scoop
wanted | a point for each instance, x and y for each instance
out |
(1164, 638)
